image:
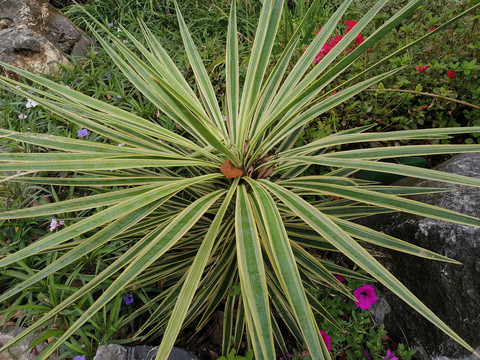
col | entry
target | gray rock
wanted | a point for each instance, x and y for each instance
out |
(36, 36)
(26, 49)
(19, 352)
(451, 291)
(118, 352)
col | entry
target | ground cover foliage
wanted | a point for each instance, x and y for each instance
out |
(173, 225)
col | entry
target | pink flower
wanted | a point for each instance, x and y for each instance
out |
(55, 224)
(422, 68)
(326, 339)
(340, 278)
(451, 74)
(365, 296)
(390, 355)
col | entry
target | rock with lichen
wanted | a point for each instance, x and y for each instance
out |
(36, 36)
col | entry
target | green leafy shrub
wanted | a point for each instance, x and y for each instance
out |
(215, 209)
(412, 99)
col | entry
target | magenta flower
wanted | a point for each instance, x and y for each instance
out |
(365, 296)
(55, 224)
(422, 68)
(390, 355)
(128, 299)
(340, 278)
(82, 133)
(326, 339)
(78, 357)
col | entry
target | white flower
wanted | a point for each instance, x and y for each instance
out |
(22, 116)
(30, 103)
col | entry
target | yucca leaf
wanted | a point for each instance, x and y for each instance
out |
(401, 151)
(337, 139)
(87, 202)
(384, 167)
(357, 254)
(157, 247)
(100, 218)
(283, 258)
(302, 66)
(289, 124)
(114, 112)
(232, 79)
(203, 81)
(262, 46)
(375, 237)
(193, 277)
(388, 201)
(89, 245)
(90, 181)
(252, 277)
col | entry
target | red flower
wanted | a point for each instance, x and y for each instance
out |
(432, 28)
(422, 68)
(330, 43)
(350, 24)
(451, 74)
(359, 39)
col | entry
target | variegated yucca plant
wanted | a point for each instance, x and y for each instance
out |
(226, 201)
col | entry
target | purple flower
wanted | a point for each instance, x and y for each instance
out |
(365, 296)
(82, 133)
(128, 299)
(78, 357)
(31, 91)
(224, 118)
(55, 224)
(367, 354)
(107, 75)
(119, 97)
(326, 339)
(287, 355)
(390, 355)
(339, 278)
(110, 24)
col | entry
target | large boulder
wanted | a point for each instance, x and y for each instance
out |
(451, 291)
(36, 36)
